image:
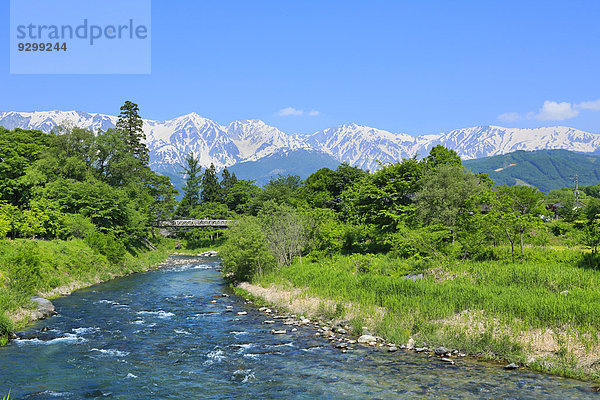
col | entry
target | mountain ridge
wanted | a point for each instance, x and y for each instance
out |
(169, 141)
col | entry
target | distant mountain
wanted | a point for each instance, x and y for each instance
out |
(544, 169)
(252, 140)
(293, 162)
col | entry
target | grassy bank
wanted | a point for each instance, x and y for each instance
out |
(54, 268)
(543, 313)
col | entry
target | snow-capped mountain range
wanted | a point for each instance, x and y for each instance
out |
(250, 140)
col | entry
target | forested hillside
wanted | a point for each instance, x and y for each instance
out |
(545, 169)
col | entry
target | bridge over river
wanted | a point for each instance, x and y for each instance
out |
(195, 223)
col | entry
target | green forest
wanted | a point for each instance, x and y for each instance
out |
(447, 255)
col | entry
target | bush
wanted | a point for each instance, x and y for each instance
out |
(107, 245)
(24, 269)
(245, 253)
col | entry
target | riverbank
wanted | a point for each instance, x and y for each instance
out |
(50, 269)
(538, 315)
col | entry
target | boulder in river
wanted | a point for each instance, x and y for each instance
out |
(45, 308)
(440, 351)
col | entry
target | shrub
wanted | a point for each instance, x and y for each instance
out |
(107, 245)
(24, 269)
(246, 253)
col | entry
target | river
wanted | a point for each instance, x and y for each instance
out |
(168, 334)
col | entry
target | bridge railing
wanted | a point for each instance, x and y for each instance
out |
(195, 223)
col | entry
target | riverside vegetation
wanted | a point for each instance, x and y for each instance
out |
(75, 209)
(429, 252)
(419, 249)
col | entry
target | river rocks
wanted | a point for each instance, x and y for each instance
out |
(45, 308)
(341, 331)
(229, 307)
(511, 366)
(278, 332)
(213, 301)
(242, 313)
(224, 295)
(210, 253)
(367, 339)
(268, 322)
(447, 360)
(341, 345)
(440, 351)
(411, 344)
(392, 349)
(420, 349)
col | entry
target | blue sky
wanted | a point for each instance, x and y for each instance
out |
(414, 67)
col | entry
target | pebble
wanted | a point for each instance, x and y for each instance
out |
(213, 301)
(224, 295)
(447, 360)
(511, 366)
(278, 332)
(420, 349)
(242, 313)
(229, 307)
(269, 322)
(294, 329)
(391, 349)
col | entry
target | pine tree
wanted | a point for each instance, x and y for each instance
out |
(227, 179)
(211, 190)
(131, 123)
(191, 191)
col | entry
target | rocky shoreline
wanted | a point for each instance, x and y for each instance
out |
(340, 335)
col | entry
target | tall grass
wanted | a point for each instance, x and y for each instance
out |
(555, 289)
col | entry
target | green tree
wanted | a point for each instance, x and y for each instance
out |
(211, 190)
(18, 150)
(440, 155)
(239, 196)
(191, 190)
(515, 210)
(384, 198)
(131, 123)
(444, 195)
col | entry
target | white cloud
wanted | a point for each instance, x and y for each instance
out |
(286, 112)
(589, 105)
(509, 117)
(313, 113)
(553, 111)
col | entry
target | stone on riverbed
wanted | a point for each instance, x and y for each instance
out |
(391, 349)
(367, 339)
(45, 308)
(511, 366)
(447, 360)
(440, 351)
(278, 332)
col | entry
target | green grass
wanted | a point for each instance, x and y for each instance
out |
(30, 267)
(502, 299)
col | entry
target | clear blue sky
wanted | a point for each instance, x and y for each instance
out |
(418, 67)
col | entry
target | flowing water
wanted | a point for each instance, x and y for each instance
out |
(160, 335)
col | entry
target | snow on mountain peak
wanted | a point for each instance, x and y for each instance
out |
(252, 139)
